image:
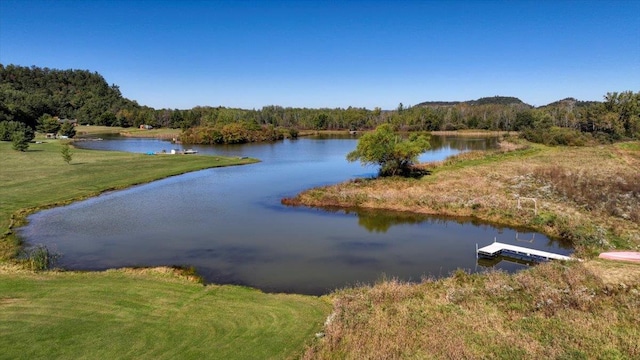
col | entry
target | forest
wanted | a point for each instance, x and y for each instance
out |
(31, 95)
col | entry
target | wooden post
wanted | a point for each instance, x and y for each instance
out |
(535, 203)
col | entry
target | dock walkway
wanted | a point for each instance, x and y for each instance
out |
(519, 252)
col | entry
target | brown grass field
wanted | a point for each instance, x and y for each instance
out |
(552, 311)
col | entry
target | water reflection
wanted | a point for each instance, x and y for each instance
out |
(380, 221)
(492, 262)
(464, 143)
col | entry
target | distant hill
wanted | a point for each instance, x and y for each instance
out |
(509, 100)
(439, 103)
(569, 102)
(494, 100)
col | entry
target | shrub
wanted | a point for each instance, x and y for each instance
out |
(19, 141)
(555, 136)
(235, 133)
(16, 132)
(67, 129)
(385, 148)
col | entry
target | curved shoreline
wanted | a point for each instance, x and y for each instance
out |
(517, 187)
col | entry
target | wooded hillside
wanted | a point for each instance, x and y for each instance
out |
(27, 93)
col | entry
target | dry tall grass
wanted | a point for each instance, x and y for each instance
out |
(551, 311)
(610, 194)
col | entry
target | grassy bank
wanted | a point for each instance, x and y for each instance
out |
(473, 133)
(39, 178)
(148, 314)
(589, 195)
(161, 133)
(553, 311)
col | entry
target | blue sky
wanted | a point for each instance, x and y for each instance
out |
(249, 54)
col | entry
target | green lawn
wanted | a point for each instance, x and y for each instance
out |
(126, 314)
(39, 177)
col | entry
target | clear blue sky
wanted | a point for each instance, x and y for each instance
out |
(248, 54)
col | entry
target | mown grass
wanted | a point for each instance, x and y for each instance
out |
(39, 178)
(148, 314)
(588, 196)
(83, 130)
(162, 133)
(552, 311)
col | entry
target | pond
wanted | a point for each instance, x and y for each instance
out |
(229, 224)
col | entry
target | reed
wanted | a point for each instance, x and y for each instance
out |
(39, 257)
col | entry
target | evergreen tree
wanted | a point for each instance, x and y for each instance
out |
(67, 129)
(47, 124)
(19, 141)
(67, 155)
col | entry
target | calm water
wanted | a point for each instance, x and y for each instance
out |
(229, 224)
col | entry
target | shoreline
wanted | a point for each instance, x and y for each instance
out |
(489, 133)
(487, 185)
(104, 171)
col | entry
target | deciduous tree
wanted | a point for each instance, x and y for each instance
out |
(388, 149)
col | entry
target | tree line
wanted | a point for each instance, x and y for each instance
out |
(30, 95)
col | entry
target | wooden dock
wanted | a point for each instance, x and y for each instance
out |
(518, 252)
